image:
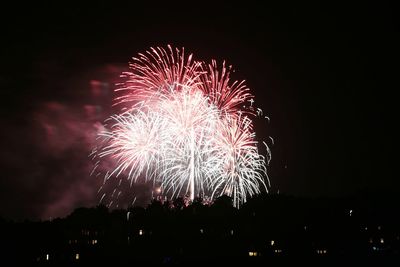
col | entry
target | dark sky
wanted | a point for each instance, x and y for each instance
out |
(325, 75)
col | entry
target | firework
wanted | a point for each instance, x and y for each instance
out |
(238, 169)
(185, 126)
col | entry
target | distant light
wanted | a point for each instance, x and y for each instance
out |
(371, 240)
(350, 212)
(278, 250)
(379, 227)
(305, 227)
(253, 253)
(366, 228)
(47, 257)
(94, 241)
(140, 232)
(272, 242)
(158, 190)
(231, 232)
(382, 241)
(77, 256)
(201, 231)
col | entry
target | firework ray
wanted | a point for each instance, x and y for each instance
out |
(183, 125)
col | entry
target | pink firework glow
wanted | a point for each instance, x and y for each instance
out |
(185, 126)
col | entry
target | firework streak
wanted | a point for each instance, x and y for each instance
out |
(184, 125)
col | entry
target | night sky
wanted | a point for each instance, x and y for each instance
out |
(324, 75)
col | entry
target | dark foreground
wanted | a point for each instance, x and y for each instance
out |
(270, 230)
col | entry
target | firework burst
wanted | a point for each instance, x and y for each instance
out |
(184, 126)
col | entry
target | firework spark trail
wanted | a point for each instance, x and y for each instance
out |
(184, 127)
(192, 122)
(239, 169)
(133, 141)
(154, 72)
(226, 96)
